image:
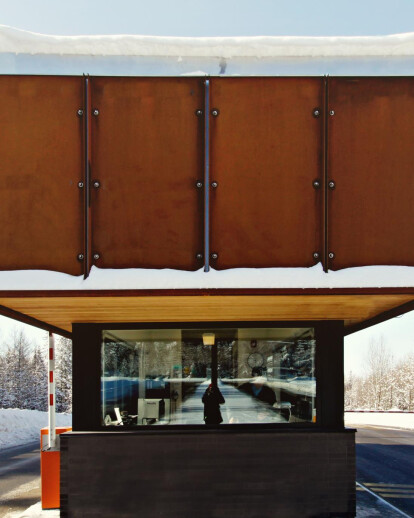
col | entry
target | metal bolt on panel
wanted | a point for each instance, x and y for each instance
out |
(199, 256)
(316, 255)
(80, 257)
(199, 185)
(331, 184)
(214, 255)
(95, 112)
(96, 184)
(80, 112)
(215, 112)
(214, 185)
(331, 255)
(316, 113)
(316, 184)
(80, 185)
(332, 113)
(199, 113)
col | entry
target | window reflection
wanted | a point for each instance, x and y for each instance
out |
(159, 377)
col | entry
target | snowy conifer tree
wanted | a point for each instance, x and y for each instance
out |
(3, 380)
(379, 380)
(17, 366)
(63, 375)
(39, 382)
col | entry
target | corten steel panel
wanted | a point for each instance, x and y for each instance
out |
(371, 161)
(41, 205)
(266, 151)
(147, 153)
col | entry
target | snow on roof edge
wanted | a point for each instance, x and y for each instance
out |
(18, 41)
(237, 278)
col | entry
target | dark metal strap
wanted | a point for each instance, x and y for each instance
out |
(207, 176)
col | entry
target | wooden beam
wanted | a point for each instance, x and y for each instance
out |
(382, 317)
(25, 319)
(61, 312)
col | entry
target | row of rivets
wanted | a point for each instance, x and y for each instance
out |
(96, 184)
(215, 112)
(199, 185)
(331, 255)
(316, 184)
(213, 256)
(81, 257)
(317, 113)
(94, 112)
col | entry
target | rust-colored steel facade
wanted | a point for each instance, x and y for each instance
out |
(41, 205)
(147, 155)
(371, 165)
(111, 171)
(266, 154)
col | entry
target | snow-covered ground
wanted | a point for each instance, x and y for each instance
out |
(23, 426)
(36, 511)
(20, 426)
(386, 419)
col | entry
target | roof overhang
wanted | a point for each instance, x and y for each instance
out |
(24, 52)
(56, 311)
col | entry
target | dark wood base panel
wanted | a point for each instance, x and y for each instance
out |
(208, 474)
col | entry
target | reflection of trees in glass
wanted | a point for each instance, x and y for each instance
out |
(160, 357)
(125, 359)
(120, 359)
(225, 356)
(293, 359)
(195, 359)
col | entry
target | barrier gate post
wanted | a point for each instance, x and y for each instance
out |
(50, 443)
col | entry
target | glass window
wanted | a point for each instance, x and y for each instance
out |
(195, 376)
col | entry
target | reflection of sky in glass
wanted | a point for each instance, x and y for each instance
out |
(141, 375)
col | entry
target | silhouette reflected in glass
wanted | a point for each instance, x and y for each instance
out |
(212, 400)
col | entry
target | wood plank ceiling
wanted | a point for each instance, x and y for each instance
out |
(59, 311)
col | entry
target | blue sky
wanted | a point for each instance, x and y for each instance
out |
(226, 18)
(211, 18)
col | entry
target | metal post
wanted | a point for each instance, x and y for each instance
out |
(214, 365)
(87, 177)
(52, 398)
(207, 176)
(325, 259)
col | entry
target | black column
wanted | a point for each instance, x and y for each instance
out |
(330, 374)
(214, 365)
(86, 377)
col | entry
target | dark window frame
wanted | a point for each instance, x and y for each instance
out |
(329, 374)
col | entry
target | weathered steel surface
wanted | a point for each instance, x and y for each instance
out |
(41, 208)
(147, 154)
(266, 151)
(371, 161)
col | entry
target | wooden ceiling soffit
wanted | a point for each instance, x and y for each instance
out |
(31, 321)
(57, 313)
